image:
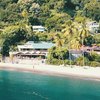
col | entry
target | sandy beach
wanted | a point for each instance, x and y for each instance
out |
(75, 71)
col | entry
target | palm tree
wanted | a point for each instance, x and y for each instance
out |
(25, 15)
(24, 26)
(75, 44)
(51, 36)
(82, 35)
(69, 34)
(58, 39)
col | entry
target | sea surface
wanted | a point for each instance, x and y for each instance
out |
(31, 86)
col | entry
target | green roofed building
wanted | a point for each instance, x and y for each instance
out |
(32, 49)
(31, 45)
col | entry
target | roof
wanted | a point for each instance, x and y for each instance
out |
(74, 51)
(93, 23)
(38, 45)
(93, 48)
(38, 27)
(96, 48)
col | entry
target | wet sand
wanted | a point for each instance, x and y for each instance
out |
(88, 73)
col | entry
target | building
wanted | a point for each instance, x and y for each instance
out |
(89, 49)
(38, 28)
(84, 50)
(75, 53)
(93, 26)
(32, 49)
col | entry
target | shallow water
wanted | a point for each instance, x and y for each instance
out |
(29, 86)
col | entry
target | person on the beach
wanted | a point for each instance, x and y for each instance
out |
(33, 66)
(42, 61)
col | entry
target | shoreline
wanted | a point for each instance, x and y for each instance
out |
(75, 72)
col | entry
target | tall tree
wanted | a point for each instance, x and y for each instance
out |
(82, 35)
(68, 34)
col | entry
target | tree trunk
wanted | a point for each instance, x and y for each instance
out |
(83, 51)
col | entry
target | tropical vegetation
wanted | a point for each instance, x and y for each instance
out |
(65, 22)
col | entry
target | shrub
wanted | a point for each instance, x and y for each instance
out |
(59, 62)
(95, 64)
(79, 61)
(95, 57)
(55, 61)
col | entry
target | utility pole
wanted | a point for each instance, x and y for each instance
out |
(83, 51)
(70, 53)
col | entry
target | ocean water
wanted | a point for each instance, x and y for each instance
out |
(28, 86)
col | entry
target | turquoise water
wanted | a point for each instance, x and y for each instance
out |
(28, 86)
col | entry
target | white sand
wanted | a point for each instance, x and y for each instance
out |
(57, 70)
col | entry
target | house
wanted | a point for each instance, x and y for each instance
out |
(32, 49)
(84, 50)
(75, 53)
(38, 28)
(90, 49)
(93, 26)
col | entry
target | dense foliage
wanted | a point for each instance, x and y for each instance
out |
(55, 12)
(62, 18)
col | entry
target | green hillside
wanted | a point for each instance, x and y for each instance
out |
(50, 13)
(62, 19)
